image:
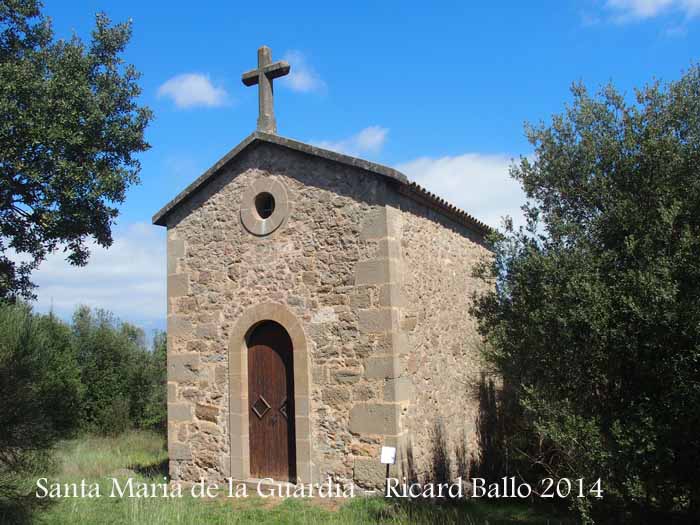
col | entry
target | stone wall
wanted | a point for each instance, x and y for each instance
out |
(443, 367)
(330, 264)
(374, 284)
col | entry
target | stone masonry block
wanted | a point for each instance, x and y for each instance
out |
(335, 395)
(207, 412)
(379, 418)
(178, 285)
(389, 249)
(378, 320)
(179, 451)
(369, 473)
(394, 222)
(374, 225)
(172, 392)
(373, 271)
(390, 295)
(176, 247)
(382, 367)
(183, 367)
(399, 389)
(179, 326)
(179, 412)
(400, 343)
(172, 264)
(360, 298)
(409, 322)
(348, 376)
(207, 331)
(319, 374)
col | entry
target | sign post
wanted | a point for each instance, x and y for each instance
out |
(388, 457)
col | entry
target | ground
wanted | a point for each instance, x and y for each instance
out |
(142, 456)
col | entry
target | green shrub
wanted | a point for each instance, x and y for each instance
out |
(594, 321)
(124, 380)
(40, 392)
(113, 417)
(155, 412)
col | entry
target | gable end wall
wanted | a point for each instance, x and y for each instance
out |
(330, 264)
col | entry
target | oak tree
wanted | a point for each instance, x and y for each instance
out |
(595, 317)
(70, 129)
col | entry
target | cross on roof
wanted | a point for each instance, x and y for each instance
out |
(263, 76)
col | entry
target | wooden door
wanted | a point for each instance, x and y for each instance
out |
(271, 403)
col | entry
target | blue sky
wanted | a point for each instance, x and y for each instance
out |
(438, 89)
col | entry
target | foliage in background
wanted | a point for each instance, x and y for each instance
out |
(56, 380)
(594, 321)
(154, 413)
(69, 129)
(124, 380)
(40, 391)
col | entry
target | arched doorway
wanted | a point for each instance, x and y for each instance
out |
(271, 402)
(239, 404)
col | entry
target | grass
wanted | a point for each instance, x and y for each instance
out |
(99, 457)
(141, 455)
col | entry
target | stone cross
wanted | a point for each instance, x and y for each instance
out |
(263, 77)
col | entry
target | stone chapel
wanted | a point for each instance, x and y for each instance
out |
(317, 310)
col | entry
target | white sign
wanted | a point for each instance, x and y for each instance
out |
(388, 456)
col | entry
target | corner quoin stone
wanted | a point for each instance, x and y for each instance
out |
(375, 225)
(179, 412)
(176, 247)
(373, 271)
(179, 326)
(178, 285)
(179, 451)
(399, 389)
(375, 419)
(382, 367)
(183, 367)
(378, 320)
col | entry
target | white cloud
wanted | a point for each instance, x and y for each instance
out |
(193, 89)
(639, 8)
(129, 278)
(302, 76)
(479, 184)
(690, 7)
(368, 141)
(632, 10)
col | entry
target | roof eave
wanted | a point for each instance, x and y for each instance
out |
(159, 218)
(161, 215)
(407, 187)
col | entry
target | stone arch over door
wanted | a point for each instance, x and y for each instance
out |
(238, 388)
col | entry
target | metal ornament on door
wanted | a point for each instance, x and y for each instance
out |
(260, 407)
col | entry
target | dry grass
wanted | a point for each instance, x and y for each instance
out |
(99, 457)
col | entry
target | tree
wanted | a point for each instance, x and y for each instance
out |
(70, 127)
(155, 413)
(40, 390)
(125, 382)
(595, 316)
(109, 368)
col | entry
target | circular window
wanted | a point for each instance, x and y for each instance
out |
(264, 204)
